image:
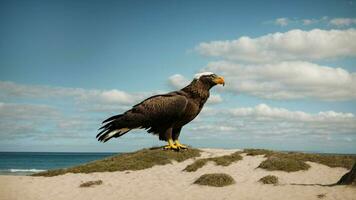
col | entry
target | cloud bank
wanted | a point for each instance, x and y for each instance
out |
(85, 99)
(335, 22)
(292, 45)
(288, 80)
(343, 21)
(265, 112)
(263, 121)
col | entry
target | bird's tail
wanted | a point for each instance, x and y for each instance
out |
(115, 126)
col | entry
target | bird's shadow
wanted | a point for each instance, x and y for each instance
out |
(314, 184)
(162, 147)
(156, 147)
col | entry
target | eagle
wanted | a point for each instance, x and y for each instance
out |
(164, 114)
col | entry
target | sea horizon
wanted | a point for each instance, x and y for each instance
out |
(27, 163)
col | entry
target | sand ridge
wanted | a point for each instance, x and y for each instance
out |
(170, 182)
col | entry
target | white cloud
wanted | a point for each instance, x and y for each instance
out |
(76, 112)
(178, 81)
(288, 80)
(264, 119)
(263, 111)
(295, 44)
(80, 95)
(43, 122)
(214, 99)
(10, 111)
(307, 22)
(343, 21)
(24, 120)
(281, 21)
(10, 89)
(212, 128)
(338, 22)
(276, 123)
(117, 96)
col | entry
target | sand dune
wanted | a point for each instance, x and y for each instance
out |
(170, 182)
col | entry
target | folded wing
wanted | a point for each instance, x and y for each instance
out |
(156, 114)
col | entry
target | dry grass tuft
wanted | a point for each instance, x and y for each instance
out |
(221, 160)
(138, 160)
(295, 160)
(283, 164)
(91, 183)
(270, 179)
(216, 180)
(256, 152)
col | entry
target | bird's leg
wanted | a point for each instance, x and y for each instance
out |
(171, 145)
(179, 145)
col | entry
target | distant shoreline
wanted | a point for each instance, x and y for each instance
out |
(27, 163)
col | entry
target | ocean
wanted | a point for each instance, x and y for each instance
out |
(26, 163)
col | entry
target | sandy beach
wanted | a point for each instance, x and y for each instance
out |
(170, 182)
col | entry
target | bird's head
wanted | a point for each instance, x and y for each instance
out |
(209, 78)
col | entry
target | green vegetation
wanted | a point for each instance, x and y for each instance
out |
(256, 152)
(270, 179)
(147, 158)
(283, 164)
(216, 180)
(345, 161)
(221, 160)
(138, 160)
(91, 183)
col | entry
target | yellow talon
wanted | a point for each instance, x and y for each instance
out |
(171, 145)
(179, 145)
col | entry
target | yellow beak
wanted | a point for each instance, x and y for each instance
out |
(219, 80)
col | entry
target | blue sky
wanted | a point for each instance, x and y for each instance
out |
(290, 71)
